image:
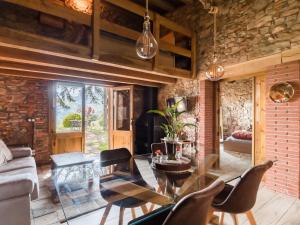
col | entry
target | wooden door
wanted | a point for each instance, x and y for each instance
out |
(121, 118)
(68, 118)
(259, 120)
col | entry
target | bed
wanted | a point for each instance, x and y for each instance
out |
(236, 143)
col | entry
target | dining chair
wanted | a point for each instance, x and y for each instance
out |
(158, 146)
(241, 197)
(190, 210)
(125, 169)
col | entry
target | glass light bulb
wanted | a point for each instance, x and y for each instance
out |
(146, 45)
(215, 71)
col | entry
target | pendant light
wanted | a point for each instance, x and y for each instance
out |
(215, 70)
(84, 6)
(146, 45)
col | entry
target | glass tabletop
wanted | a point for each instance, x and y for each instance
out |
(85, 188)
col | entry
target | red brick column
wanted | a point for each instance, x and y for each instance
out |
(282, 133)
(206, 117)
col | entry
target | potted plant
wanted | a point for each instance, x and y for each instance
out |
(173, 128)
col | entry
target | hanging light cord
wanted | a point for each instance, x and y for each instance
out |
(215, 31)
(214, 10)
(147, 8)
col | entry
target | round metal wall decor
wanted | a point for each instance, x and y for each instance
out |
(281, 92)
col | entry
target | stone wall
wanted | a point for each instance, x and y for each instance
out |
(21, 99)
(189, 89)
(247, 29)
(236, 105)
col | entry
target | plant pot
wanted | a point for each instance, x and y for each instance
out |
(171, 146)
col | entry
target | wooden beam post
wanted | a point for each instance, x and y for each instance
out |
(95, 29)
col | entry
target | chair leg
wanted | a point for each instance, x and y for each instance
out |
(250, 217)
(222, 218)
(133, 213)
(235, 219)
(105, 214)
(144, 209)
(121, 216)
(210, 215)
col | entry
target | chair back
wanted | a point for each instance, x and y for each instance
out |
(114, 156)
(193, 208)
(243, 196)
(158, 146)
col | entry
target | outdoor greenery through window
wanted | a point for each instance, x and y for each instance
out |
(69, 113)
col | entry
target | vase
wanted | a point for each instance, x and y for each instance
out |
(171, 146)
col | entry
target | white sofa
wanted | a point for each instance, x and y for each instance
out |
(18, 186)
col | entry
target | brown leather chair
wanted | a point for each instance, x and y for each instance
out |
(158, 146)
(190, 210)
(241, 197)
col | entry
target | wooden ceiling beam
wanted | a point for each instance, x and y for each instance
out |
(31, 56)
(43, 76)
(72, 73)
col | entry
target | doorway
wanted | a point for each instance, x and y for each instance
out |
(236, 124)
(80, 116)
(242, 106)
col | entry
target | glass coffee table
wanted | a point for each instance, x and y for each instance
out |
(85, 186)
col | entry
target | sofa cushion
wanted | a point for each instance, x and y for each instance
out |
(19, 152)
(25, 172)
(5, 150)
(17, 164)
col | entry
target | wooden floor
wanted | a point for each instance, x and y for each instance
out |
(270, 209)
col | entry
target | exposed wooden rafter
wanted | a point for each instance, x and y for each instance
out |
(31, 56)
(60, 72)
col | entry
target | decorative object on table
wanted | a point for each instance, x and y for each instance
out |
(181, 165)
(281, 92)
(215, 70)
(173, 128)
(146, 45)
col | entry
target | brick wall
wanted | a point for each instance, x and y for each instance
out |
(21, 99)
(206, 117)
(283, 133)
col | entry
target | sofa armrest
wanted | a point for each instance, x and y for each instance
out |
(15, 186)
(19, 152)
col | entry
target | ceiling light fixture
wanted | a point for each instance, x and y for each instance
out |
(84, 6)
(215, 70)
(146, 45)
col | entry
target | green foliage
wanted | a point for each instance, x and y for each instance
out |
(173, 127)
(72, 116)
(94, 93)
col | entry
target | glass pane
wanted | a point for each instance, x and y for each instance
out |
(121, 110)
(96, 132)
(68, 107)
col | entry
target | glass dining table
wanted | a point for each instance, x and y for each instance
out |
(130, 184)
